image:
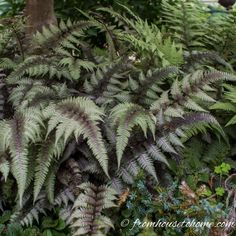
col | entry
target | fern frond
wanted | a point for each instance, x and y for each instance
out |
(78, 116)
(228, 104)
(184, 93)
(108, 30)
(225, 106)
(7, 63)
(16, 136)
(146, 163)
(87, 217)
(65, 213)
(125, 20)
(36, 66)
(98, 84)
(151, 43)
(156, 153)
(195, 123)
(64, 197)
(117, 185)
(186, 21)
(33, 93)
(146, 86)
(48, 152)
(50, 183)
(31, 213)
(200, 57)
(63, 34)
(126, 116)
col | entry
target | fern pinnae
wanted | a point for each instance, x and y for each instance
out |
(121, 18)
(163, 142)
(156, 153)
(184, 92)
(132, 165)
(26, 91)
(101, 78)
(54, 36)
(203, 56)
(48, 152)
(156, 76)
(147, 164)
(193, 123)
(31, 213)
(64, 197)
(117, 185)
(215, 75)
(126, 176)
(126, 116)
(4, 166)
(50, 183)
(22, 68)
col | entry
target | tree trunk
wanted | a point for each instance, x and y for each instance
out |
(39, 13)
(227, 3)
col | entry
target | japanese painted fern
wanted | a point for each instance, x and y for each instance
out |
(87, 123)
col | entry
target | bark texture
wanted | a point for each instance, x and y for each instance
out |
(39, 13)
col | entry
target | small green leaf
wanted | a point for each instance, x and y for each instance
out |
(225, 168)
(220, 191)
(47, 232)
(49, 223)
(222, 169)
(207, 192)
(217, 170)
(61, 225)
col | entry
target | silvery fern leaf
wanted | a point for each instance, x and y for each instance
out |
(156, 153)
(4, 166)
(16, 136)
(146, 163)
(76, 117)
(125, 116)
(164, 143)
(87, 217)
(48, 152)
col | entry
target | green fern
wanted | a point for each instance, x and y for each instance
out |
(229, 105)
(148, 40)
(187, 21)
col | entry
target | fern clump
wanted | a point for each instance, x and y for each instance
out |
(82, 123)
